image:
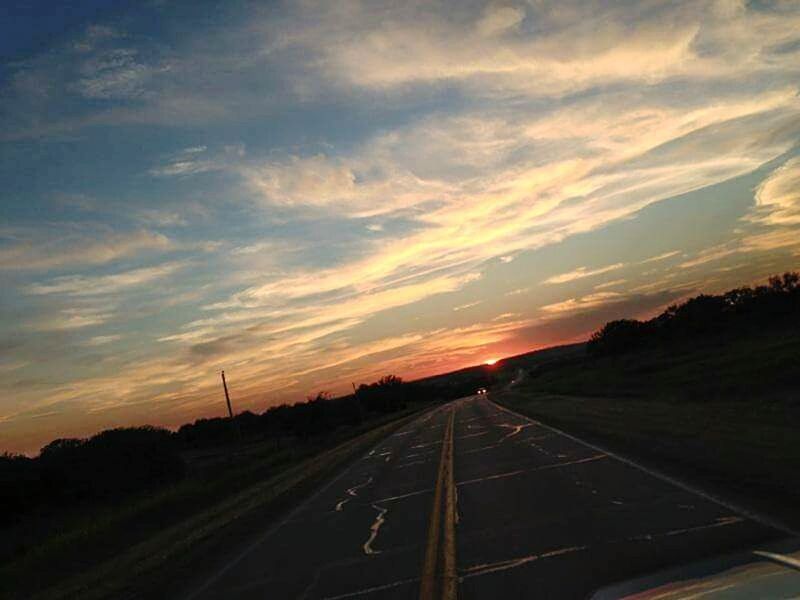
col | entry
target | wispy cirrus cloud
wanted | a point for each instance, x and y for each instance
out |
(610, 284)
(580, 273)
(467, 305)
(583, 303)
(39, 250)
(71, 318)
(115, 75)
(197, 159)
(76, 285)
(101, 340)
(660, 257)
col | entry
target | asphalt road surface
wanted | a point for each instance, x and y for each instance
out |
(473, 501)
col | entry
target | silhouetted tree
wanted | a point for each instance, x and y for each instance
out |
(705, 315)
(385, 395)
(110, 464)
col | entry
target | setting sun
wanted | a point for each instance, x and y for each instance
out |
(491, 361)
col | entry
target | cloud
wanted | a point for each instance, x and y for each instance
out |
(315, 180)
(162, 218)
(608, 284)
(312, 51)
(468, 305)
(361, 186)
(106, 76)
(30, 250)
(501, 193)
(661, 257)
(580, 273)
(771, 240)
(776, 214)
(258, 248)
(517, 292)
(71, 318)
(114, 75)
(104, 284)
(583, 303)
(778, 196)
(541, 49)
(7, 365)
(304, 305)
(391, 52)
(183, 167)
(710, 255)
(500, 19)
(101, 340)
(197, 159)
(93, 35)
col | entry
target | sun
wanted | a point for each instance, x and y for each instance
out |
(491, 361)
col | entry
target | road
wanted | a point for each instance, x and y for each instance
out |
(475, 501)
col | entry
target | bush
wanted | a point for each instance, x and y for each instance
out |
(105, 467)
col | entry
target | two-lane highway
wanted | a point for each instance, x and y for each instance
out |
(474, 501)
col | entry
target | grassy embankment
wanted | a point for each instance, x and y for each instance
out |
(721, 413)
(153, 544)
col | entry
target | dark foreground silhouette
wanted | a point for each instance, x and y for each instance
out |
(117, 463)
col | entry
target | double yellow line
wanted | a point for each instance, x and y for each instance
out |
(439, 576)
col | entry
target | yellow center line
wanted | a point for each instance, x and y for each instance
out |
(439, 577)
(450, 576)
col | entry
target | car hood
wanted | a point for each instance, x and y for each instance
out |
(767, 571)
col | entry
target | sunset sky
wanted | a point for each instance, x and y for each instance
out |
(309, 194)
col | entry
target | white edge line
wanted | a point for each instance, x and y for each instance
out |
(276, 526)
(782, 559)
(753, 516)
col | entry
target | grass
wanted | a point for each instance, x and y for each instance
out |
(152, 543)
(751, 367)
(722, 414)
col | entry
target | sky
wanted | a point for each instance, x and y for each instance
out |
(308, 194)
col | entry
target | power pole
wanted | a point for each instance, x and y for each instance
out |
(230, 410)
(227, 397)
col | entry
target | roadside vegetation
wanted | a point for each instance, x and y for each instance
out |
(708, 391)
(739, 311)
(105, 515)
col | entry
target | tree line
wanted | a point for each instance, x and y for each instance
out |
(116, 463)
(743, 308)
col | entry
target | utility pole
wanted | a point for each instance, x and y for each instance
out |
(230, 410)
(227, 397)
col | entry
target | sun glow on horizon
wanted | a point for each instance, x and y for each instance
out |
(491, 361)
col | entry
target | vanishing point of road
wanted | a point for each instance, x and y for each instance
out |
(473, 501)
